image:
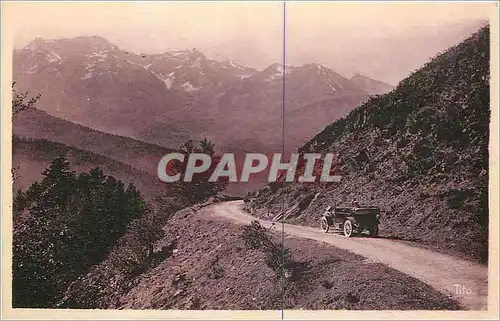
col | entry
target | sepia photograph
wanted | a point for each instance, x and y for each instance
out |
(249, 160)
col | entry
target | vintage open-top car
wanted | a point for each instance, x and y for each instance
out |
(351, 220)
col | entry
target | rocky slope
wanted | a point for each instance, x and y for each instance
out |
(419, 152)
(205, 264)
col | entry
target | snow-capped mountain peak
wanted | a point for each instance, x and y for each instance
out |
(276, 71)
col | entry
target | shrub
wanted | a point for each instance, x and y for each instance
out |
(278, 258)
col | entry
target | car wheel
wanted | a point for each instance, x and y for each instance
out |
(347, 228)
(324, 225)
(373, 231)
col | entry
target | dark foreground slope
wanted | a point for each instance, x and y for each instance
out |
(419, 152)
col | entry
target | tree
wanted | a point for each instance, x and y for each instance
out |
(207, 147)
(19, 104)
(37, 255)
(72, 223)
(20, 101)
(137, 246)
(19, 201)
(188, 147)
(200, 188)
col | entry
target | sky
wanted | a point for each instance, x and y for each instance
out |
(385, 41)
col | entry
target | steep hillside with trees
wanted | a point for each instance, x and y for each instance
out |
(75, 233)
(65, 224)
(419, 152)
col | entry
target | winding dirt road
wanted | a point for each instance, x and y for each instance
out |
(465, 281)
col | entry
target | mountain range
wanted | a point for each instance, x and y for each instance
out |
(167, 98)
(133, 108)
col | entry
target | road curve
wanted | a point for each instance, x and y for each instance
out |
(465, 281)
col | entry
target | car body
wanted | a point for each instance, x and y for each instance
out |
(351, 220)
